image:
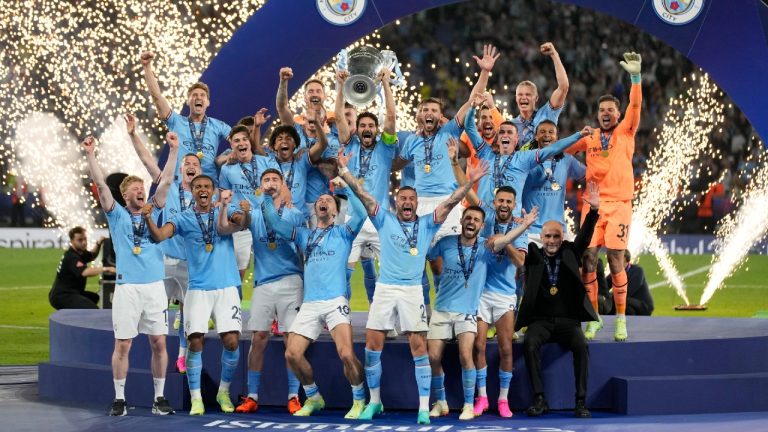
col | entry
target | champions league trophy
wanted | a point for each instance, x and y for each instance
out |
(364, 64)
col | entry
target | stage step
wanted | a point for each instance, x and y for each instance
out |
(691, 394)
(85, 382)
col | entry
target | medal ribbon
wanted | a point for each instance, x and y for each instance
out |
(552, 274)
(428, 143)
(138, 229)
(207, 231)
(271, 236)
(497, 230)
(364, 162)
(198, 136)
(604, 142)
(498, 172)
(467, 271)
(415, 237)
(182, 201)
(253, 175)
(288, 178)
(312, 244)
(550, 172)
(528, 129)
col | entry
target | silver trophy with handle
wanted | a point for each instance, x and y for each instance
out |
(364, 64)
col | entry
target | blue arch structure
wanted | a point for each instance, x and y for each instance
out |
(728, 39)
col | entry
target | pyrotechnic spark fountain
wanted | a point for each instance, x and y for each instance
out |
(79, 61)
(54, 168)
(684, 138)
(738, 232)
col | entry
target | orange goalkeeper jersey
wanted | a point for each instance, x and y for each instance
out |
(612, 171)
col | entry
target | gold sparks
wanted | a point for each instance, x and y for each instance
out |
(79, 62)
(666, 185)
(739, 231)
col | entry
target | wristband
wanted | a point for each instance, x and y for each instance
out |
(635, 78)
(388, 139)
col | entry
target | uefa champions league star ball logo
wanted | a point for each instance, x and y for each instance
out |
(341, 12)
(678, 12)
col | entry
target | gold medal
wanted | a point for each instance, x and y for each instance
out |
(427, 168)
(361, 181)
(604, 153)
(136, 250)
(258, 192)
(272, 245)
(208, 247)
(555, 186)
(414, 251)
(200, 155)
(553, 290)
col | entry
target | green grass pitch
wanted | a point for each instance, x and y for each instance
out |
(27, 275)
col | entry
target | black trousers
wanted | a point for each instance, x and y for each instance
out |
(566, 332)
(73, 300)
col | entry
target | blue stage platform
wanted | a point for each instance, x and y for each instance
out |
(669, 366)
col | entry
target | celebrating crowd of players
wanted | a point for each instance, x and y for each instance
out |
(315, 200)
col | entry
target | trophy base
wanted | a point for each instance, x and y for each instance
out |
(691, 308)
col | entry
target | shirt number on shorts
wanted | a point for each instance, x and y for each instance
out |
(423, 313)
(343, 310)
(623, 232)
(236, 313)
(471, 318)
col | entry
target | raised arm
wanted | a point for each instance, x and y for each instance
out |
(105, 195)
(458, 172)
(490, 54)
(560, 145)
(283, 228)
(502, 241)
(557, 99)
(97, 247)
(281, 101)
(142, 151)
(158, 233)
(366, 200)
(632, 64)
(161, 103)
(341, 124)
(224, 225)
(358, 213)
(470, 126)
(259, 119)
(390, 120)
(591, 197)
(317, 149)
(169, 170)
(474, 173)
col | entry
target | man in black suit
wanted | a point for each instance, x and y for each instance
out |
(556, 302)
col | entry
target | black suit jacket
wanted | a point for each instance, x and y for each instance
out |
(570, 276)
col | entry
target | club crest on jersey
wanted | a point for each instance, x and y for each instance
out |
(678, 12)
(341, 12)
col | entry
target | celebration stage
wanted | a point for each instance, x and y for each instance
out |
(668, 366)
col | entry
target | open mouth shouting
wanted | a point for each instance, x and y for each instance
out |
(470, 230)
(242, 150)
(203, 198)
(430, 122)
(605, 121)
(503, 212)
(488, 130)
(407, 211)
(367, 137)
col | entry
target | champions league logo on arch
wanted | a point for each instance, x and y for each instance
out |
(678, 12)
(341, 12)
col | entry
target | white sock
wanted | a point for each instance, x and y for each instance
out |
(159, 386)
(119, 388)
(224, 386)
(375, 395)
(481, 392)
(503, 393)
(254, 396)
(424, 403)
(195, 394)
(182, 352)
